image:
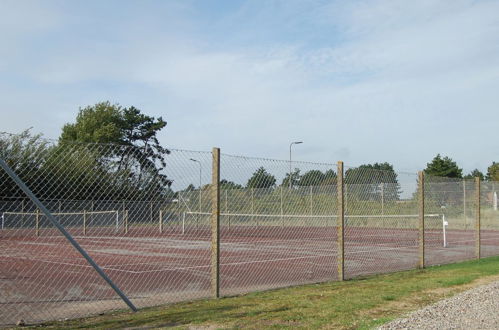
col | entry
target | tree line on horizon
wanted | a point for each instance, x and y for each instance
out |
(140, 169)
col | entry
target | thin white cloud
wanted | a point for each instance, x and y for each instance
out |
(398, 82)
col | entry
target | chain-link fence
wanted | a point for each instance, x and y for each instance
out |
(381, 221)
(152, 223)
(276, 231)
(450, 238)
(125, 208)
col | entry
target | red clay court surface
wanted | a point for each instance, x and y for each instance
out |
(43, 278)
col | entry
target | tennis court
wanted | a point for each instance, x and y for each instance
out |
(154, 267)
(151, 231)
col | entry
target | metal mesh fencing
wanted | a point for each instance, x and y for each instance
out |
(124, 207)
(381, 221)
(451, 237)
(489, 219)
(276, 229)
(146, 219)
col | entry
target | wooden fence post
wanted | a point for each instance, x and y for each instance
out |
(421, 238)
(477, 220)
(215, 224)
(341, 223)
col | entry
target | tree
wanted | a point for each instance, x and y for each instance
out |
(443, 167)
(329, 178)
(311, 178)
(369, 181)
(26, 154)
(100, 123)
(141, 160)
(226, 185)
(261, 179)
(294, 177)
(314, 178)
(475, 173)
(190, 187)
(493, 172)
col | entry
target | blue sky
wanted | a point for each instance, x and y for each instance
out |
(358, 81)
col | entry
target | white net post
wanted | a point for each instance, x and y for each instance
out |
(444, 225)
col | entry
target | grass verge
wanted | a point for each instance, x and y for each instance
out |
(355, 304)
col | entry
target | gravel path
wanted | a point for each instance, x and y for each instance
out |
(477, 308)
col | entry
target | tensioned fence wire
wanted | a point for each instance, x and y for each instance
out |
(146, 222)
(123, 206)
(276, 229)
(455, 200)
(381, 221)
(489, 219)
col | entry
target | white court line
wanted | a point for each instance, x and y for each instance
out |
(222, 264)
(312, 254)
(50, 262)
(384, 249)
(455, 242)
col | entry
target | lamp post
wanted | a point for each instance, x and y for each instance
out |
(200, 176)
(290, 167)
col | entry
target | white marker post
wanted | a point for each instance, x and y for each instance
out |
(444, 224)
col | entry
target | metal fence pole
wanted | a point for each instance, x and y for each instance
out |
(22, 211)
(253, 205)
(54, 222)
(125, 229)
(84, 222)
(37, 222)
(227, 208)
(160, 221)
(341, 223)
(421, 238)
(345, 197)
(282, 209)
(311, 200)
(126, 221)
(215, 224)
(477, 220)
(151, 212)
(383, 199)
(464, 205)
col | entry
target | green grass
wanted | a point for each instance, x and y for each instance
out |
(355, 304)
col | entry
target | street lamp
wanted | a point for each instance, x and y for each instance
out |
(200, 176)
(290, 145)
